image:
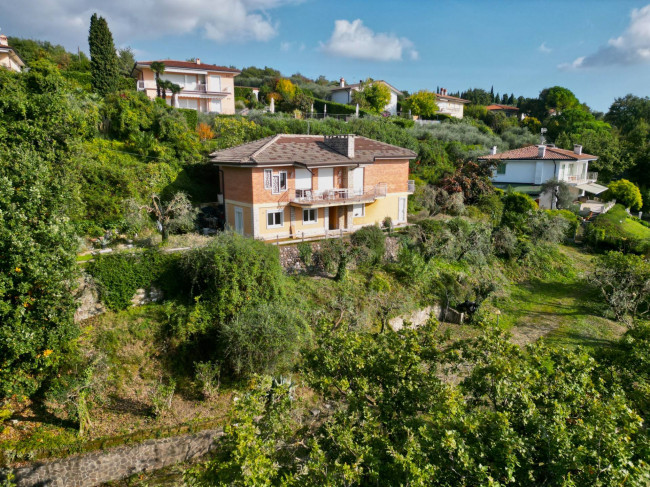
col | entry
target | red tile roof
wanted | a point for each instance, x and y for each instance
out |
(496, 106)
(310, 150)
(170, 63)
(531, 152)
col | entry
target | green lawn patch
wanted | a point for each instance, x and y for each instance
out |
(618, 223)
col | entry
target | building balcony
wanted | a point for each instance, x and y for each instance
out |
(590, 177)
(197, 88)
(410, 184)
(337, 197)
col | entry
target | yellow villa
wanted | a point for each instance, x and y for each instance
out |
(302, 186)
(205, 87)
(8, 57)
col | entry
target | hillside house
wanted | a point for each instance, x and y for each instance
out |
(343, 94)
(300, 186)
(507, 110)
(526, 169)
(205, 87)
(9, 59)
(450, 105)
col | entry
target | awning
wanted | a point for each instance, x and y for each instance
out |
(592, 188)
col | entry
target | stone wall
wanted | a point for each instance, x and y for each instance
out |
(420, 316)
(104, 466)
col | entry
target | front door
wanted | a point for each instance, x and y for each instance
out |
(239, 220)
(334, 218)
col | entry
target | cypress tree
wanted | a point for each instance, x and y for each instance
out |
(104, 65)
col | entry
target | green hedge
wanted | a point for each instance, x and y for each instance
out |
(243, 92)
(337, 108)
(192, 117)
(119, 275)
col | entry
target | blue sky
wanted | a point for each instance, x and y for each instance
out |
(599, 49)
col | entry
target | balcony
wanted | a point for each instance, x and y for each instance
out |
(590, 177)
(337, 197)
(410, 186)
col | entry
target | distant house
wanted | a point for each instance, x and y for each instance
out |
(343, 94)
(9, 59)
(526, 169)
(205, 87)
(295, 186)
(508, 110)
(450, 105)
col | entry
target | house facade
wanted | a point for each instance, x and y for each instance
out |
(343, 94)
(508, 110)
(205, 87)
(527, 168)
(301, 186)
(450, 105)
(9, 59)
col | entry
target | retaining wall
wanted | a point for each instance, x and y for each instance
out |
(99, 467)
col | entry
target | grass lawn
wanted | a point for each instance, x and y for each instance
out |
(566, 312)
(618, 222)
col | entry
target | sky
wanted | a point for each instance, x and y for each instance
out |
(599, 49)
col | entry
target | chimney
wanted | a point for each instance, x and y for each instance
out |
(343, 144)
(198, 61)
(493, 150)
(541, 151)
(342, 82)
(3, 40)
(577, 148)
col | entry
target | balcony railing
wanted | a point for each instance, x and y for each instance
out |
(410, 186)
(338, 196)
(590, 177)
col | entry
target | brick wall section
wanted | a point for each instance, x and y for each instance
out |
(104, 466)
(237, 183)
(393, 172)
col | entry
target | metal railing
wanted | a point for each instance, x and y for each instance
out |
(410, 186)
(590, 177)
(309, 196)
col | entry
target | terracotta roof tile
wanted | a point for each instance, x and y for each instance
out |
(455, 98)
(496, 106)
(307, 149)
(170, 63)
(532, 152)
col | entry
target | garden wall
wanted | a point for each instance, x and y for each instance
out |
(99, 467)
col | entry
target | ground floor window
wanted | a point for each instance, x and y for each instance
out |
(274, 218)
(239, 220)
(310, 215)
(501, 168)
(359, 210)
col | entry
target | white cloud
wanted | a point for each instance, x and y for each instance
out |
(67, 21)
(631, 47)
(355, 40)
(544, 48)
(285, 46)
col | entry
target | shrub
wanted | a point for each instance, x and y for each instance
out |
(543, 226)
(161, 397)
(233, 272)
(264, 339)
(305, 251)
(572, 219)
(208, 376)
(625, 193)
(119, 275)
(191, 116)
(330, 253)
(505, 243)
(370, 243)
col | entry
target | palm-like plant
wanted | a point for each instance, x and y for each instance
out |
(158, 67)
(175, 89)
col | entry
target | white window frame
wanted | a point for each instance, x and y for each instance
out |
(359, 210)
(275, 212)
(268, 180)
(275, 184)
(286, 181)
(239, 211)
(402, 209)
(305, 212)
